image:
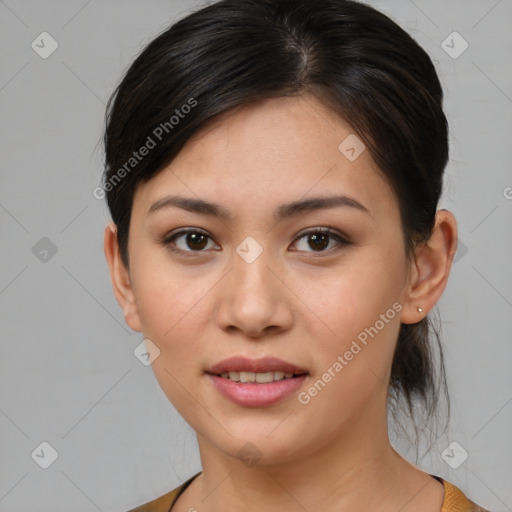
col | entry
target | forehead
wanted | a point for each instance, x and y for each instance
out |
(269, 153)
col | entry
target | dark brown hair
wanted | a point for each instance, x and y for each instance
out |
(354, 59)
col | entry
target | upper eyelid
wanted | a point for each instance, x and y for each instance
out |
(184, 231)
(306, 231)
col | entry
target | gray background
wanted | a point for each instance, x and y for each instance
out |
(68, 375)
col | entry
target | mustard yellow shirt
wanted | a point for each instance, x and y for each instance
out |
(454, 500)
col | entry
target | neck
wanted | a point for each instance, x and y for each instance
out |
(358, 470)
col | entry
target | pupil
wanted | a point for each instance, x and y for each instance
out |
(320, 237)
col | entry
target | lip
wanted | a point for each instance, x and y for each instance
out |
(257, 395)
(262, 365)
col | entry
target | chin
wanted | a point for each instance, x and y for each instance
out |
(263, 445)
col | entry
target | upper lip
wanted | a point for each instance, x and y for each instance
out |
(262, 365)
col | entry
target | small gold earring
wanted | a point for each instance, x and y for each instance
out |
(420, 310)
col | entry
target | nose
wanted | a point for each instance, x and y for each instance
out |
(253, 298)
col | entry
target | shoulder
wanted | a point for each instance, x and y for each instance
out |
(455, 500)
(164, 503)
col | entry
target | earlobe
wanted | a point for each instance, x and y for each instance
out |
(120, 278)
(431, 268)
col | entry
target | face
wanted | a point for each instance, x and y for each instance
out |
(320, 288)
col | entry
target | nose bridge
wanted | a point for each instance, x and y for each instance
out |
(251, 299)
(251, 272)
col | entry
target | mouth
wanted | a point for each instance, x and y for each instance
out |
(260, 377)
(259, 371)
(256, 382)
(264, 371)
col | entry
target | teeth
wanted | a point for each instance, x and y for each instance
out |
(260, 378)
(247, 377)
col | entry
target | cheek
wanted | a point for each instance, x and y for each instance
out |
(351, 299)
(359, 311)
(172, 313)
(353, 368)
(169, 300)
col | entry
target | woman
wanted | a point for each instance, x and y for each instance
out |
(273, 169)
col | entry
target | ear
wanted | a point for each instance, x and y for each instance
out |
(120, 278)
(431, 268)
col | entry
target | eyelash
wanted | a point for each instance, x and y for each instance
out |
(343, 242)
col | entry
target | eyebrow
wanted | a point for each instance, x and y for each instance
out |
(282, 212)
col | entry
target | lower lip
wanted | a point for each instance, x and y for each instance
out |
(257, 395)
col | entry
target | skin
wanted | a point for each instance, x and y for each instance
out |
(295, 301)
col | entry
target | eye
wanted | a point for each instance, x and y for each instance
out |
(191, 241)
(320, 238)
(187, 241)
